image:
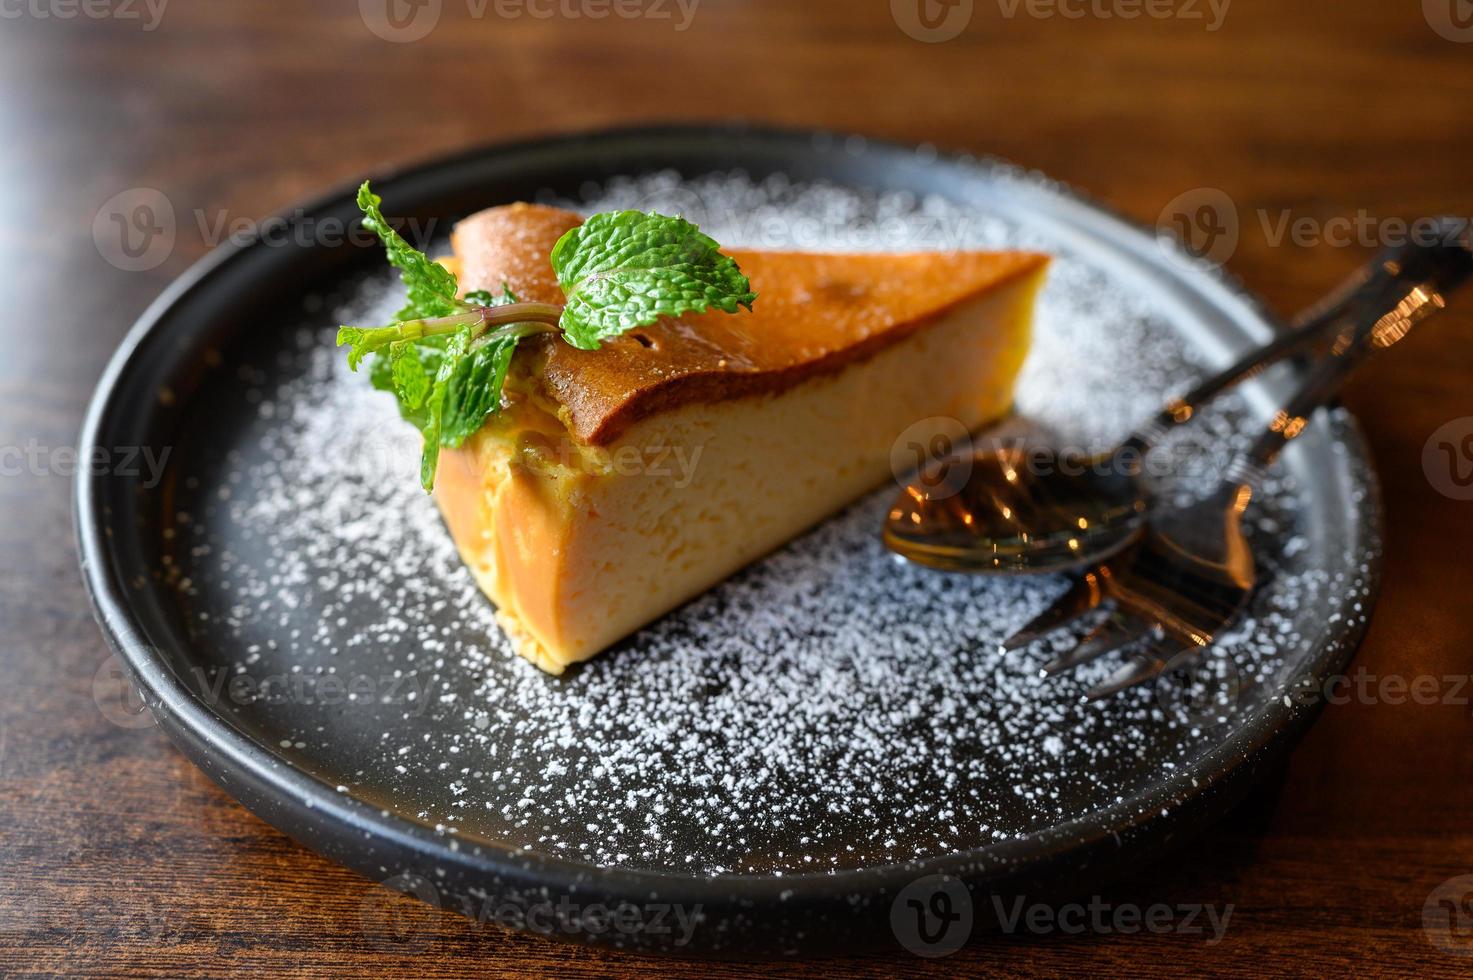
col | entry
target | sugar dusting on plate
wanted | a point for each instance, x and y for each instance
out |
(827, 708)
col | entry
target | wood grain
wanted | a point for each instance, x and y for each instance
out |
(120, 859)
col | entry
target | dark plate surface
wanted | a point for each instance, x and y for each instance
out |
(787, 753)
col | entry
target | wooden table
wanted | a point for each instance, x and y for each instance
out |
(117, 857)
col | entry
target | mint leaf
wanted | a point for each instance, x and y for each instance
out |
(447, 387)
(455, 351)
(483, 297)
(473, 391)
(413, 373)
(626, 269)
(381, 376)
(432, 287)
(362, 341)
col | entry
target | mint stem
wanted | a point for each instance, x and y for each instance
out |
(514, 320)
(483, 318)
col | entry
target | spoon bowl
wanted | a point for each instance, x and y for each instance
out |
(1016, 510)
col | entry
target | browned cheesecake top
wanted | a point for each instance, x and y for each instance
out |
(815, 313)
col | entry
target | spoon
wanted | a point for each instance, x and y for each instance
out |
(1018, 509)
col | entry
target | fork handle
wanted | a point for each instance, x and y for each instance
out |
(1379, 286)
(1399, 289)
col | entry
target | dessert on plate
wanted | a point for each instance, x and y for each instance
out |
(616, 479)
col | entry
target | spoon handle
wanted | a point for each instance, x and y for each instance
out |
(1438, 261)
(1402, 287)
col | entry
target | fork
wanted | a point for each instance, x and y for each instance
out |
(1191, 572)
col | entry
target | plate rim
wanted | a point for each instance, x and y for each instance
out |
(214, 744)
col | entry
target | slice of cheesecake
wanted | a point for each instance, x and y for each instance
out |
(616, 484)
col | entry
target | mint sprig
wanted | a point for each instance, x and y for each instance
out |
(446, 357)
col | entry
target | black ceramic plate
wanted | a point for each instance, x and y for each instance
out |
(780, 765)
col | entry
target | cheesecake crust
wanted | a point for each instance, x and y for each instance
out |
(815, 314)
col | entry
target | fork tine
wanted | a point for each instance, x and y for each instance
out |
(1084, 594)
(1118, 631)
(1144, 665)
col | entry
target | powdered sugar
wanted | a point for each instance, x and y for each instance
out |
(827, 708)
